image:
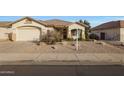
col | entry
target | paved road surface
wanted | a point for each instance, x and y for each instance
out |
(52, 70)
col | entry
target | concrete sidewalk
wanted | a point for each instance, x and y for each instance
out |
(61, 59)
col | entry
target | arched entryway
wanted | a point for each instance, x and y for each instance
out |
(74, 33)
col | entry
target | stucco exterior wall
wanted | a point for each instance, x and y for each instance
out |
(34, 24)
(110, 34)
(4, 33)
(122, 34)
(24, 30)
(76, 26)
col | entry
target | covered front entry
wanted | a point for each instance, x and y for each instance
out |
(28, 34)
(62, 32)
(74, 33)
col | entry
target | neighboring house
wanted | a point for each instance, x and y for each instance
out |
(113, 30)
(4, 30)
(29, 29)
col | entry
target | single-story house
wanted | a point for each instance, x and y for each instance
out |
(29, 29)
(113, 30)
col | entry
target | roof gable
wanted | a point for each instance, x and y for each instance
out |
(28, 19)
(47, 23)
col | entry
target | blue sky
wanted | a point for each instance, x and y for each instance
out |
(94, 20)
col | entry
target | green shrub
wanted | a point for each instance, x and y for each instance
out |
(70, 39)
(52, 37)
(51, 40)
(94, 36)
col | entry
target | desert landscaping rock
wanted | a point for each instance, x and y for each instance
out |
(89, 54)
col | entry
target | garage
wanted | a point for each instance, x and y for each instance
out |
(28, 34)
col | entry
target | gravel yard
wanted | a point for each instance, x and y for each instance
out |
(90, 53)
(85, 47)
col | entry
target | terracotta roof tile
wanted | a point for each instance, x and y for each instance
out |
(53, 22)
(109, 25)
(56, 22)
(5, 24)
(60, 23)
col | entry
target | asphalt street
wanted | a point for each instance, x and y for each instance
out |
(63, 70)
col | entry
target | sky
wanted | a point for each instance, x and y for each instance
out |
(94, 20)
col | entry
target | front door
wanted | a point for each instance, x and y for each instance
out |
(102, 35)
(65, 35)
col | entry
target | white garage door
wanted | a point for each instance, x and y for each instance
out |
(28, 34)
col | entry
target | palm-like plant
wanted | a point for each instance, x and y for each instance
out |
(87, 29)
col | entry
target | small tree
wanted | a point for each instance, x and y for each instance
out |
(87, 29)
(81, 21)
(50, 38)
(94, 36)
(53, 36)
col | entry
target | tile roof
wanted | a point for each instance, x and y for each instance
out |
(52, 23)
(60, 23)
(5, 23)
(109, 25)
(56, 22)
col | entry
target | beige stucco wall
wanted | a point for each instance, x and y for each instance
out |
(22, 23)
(76, 26)
(35, 27)
(110, 34)
(44, 28)
(122, 34)
(4, 32)
(34, 24)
